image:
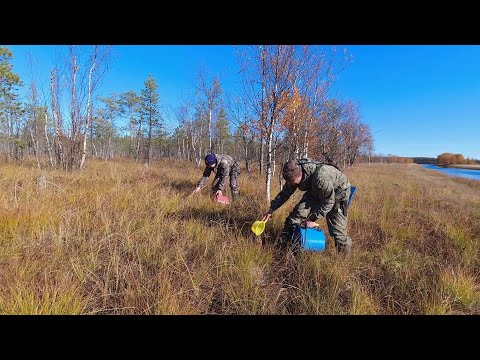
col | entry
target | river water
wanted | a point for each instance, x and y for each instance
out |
(466, 173)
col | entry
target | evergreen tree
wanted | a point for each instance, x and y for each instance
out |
(10, 109)
(151, 111)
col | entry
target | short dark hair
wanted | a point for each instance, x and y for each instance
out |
(291, 170)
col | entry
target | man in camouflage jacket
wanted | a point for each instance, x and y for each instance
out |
(223, 166)
(327, 191)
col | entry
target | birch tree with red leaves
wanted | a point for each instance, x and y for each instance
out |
(450, 159)
(296, 111)
(268, 72)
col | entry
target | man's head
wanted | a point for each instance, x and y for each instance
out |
(292, 172)
(210, 160)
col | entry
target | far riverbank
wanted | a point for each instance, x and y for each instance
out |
(461, 166)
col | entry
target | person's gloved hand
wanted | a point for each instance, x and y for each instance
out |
(309, 224)
(267, 215)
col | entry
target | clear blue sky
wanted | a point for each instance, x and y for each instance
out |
(418, 100)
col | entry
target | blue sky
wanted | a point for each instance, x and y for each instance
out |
(419, 100)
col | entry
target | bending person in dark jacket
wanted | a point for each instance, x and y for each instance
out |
(327, 191)
(223, 166)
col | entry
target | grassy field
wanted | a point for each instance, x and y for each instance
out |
(119, 238)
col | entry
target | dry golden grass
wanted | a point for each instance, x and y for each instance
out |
(119, 238)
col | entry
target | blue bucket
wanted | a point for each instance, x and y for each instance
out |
(310, 238)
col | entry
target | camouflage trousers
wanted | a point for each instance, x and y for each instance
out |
(337, 220)
(234, 174)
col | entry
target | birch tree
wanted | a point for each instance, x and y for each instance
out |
(240, 116)
(209, 92)
(268, 80)
(76, 76)
(88, 119)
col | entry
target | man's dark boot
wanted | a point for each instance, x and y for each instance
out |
(345, 250)
(285, 240)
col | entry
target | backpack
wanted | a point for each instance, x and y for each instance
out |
(328, 161)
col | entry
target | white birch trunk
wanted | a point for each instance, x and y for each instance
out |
(56, 120)
(89, 111)
(210, 131)
(269, 161)
(49, 148)
(35, 147)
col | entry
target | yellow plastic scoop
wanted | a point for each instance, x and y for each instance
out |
(258, 227)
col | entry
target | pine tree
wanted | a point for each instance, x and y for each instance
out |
(10, 110)
(150, 102)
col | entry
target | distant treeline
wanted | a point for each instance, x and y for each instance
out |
(424, 160)
(457, 159)
(442, 159)
(385, 159)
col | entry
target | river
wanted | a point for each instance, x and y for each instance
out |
(466, 173)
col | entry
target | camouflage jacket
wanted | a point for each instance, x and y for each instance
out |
(323, 182)
(225, 164)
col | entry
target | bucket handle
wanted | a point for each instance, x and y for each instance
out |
(306, 230)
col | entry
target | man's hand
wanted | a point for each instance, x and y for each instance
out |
(219, 192)
(309, 224)
(197, 189)
(268, 215)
